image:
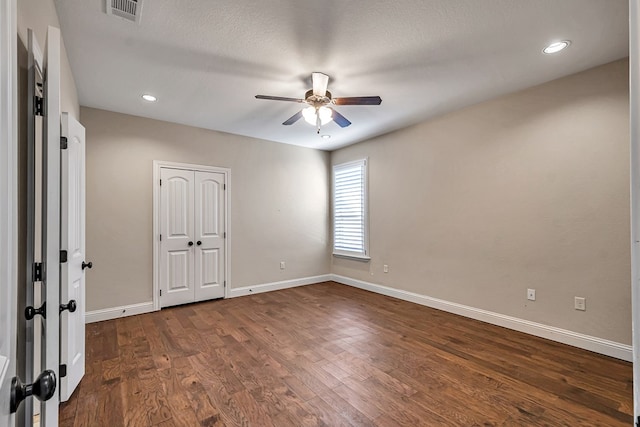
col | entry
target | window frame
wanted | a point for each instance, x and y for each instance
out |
(363, 255)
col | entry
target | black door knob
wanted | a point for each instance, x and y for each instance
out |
(190, 243)
(44, 387)
(198, 243)
(30, 312)
(87, 265)
(71, 306)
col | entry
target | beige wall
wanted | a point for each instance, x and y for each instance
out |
(279, 203)
(530, 190)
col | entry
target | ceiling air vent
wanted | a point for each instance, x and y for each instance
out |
(127, 9)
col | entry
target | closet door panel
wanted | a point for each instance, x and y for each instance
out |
(177, 230)
(210, 235)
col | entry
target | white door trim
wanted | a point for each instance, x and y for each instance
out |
(157, 165)
(634, 94)
(8, 198)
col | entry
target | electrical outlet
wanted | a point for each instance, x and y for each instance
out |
(580, 303)
(531, 294)
(385, 268)
(282, 265)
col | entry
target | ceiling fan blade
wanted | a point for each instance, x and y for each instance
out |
(358, 100)
(339, 119)
(291, 120)
(320, 83)
(279, 98)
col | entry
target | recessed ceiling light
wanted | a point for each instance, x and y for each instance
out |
(149, 98)
(556, 47)
(325, 136)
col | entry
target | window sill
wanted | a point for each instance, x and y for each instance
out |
(354, 257)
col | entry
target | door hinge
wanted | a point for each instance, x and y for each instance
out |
(224, 236)
(63, 143)
(161, 237)
(225, 284)
(38, 273)
(38, 106)
(160, 292)
(63, 257)
(63, 371)
(224, 186)
(161, 183)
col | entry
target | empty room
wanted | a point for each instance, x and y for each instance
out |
(319, 213)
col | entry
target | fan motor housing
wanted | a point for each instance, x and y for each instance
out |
(317, 101)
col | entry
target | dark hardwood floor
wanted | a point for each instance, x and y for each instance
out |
(332, 355)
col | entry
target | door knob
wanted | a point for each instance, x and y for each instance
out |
(87, 265)
(43, 388)
(198, 243)
(71, 306)
(190, 243)
(30, 312)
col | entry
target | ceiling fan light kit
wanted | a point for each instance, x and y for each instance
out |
(312, 114)
(318, 98)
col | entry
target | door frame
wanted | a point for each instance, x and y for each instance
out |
(634, 125)
(157, 165)
(8, 188)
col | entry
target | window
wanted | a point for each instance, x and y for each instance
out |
(350, 210)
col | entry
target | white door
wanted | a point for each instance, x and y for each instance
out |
(192, 236)
(8, 203)
(209, 235)
(177, 231)
(51, 220)
(72, 233)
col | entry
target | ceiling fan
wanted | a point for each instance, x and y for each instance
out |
(318, 113)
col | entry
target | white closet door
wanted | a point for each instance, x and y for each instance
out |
(209, 235)
(177, 231)
(72, 282)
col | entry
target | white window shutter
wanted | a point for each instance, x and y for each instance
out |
(350, 209)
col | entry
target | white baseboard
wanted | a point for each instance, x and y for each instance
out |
(275, 286)
(115, 312)
(575, 339)
(147, 307)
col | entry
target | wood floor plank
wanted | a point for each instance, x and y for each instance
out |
(333, 355)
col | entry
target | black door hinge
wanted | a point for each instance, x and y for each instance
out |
(63, 257)
(38, 106)
(160, 183)
(224, 186)
(63, 371)
(38, 273)
(63, 142)
(160, 292)
(224, 236)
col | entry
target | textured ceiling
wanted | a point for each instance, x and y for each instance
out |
(206, 59)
